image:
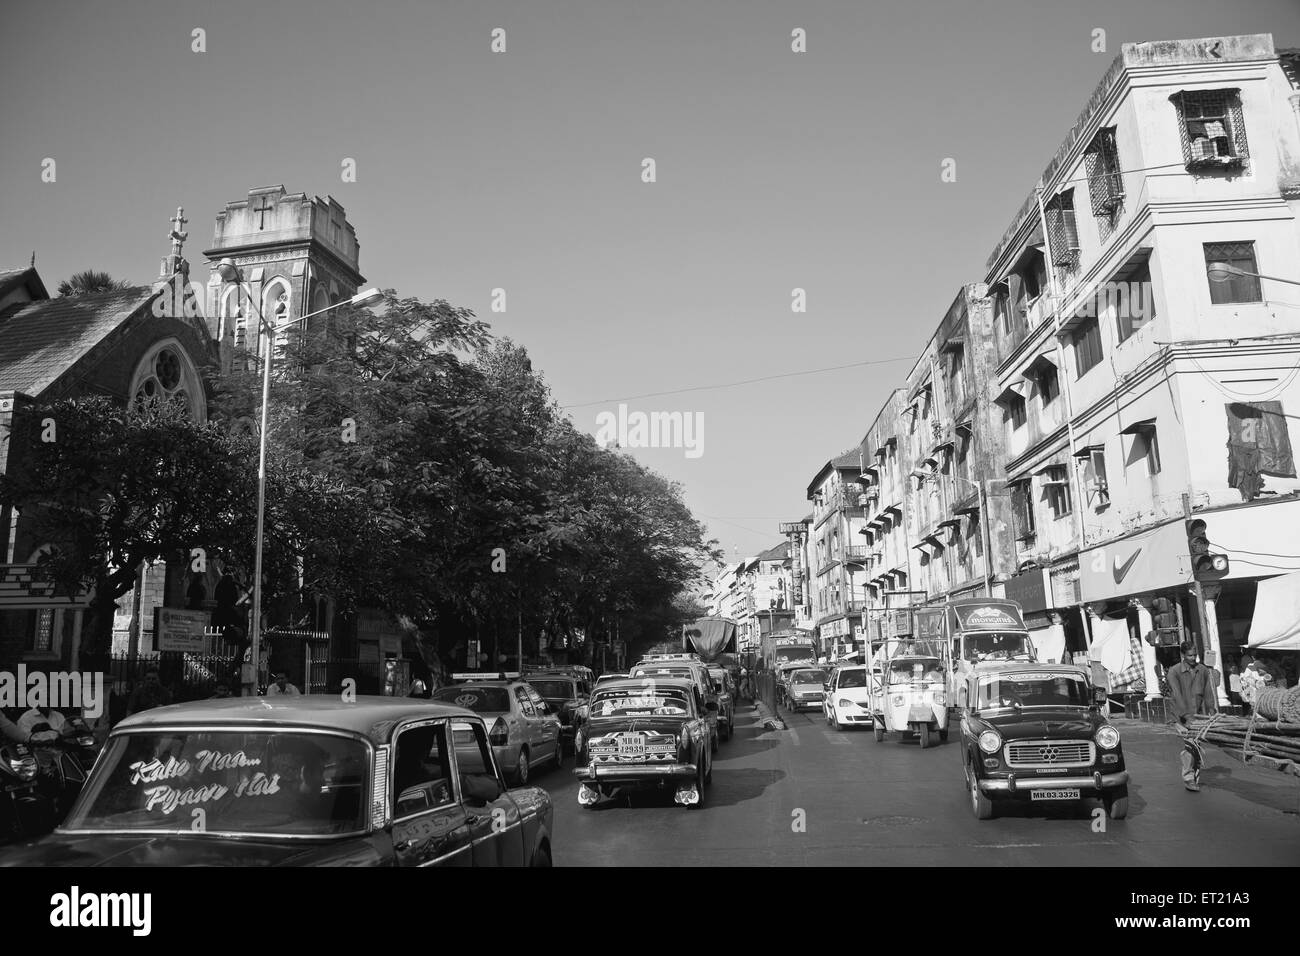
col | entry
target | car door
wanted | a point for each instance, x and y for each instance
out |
(430, 826)
(492, 818)
(531, 725)
(549, 724)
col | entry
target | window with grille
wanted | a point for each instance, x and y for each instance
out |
(1056, 489)
(1087, 346)
(1231, 269)
(1212, 128)
(1105, 178)
(1062, 231)
(1033, 278)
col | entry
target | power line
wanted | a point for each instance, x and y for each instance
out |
(748, 381)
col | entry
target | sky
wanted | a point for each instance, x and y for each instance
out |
(524, 170)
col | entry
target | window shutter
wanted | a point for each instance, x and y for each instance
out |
(1239, 144)
(1181, 110)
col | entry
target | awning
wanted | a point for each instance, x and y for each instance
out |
(1276, 624)
(1146, 425)
(917, 392)
(1046, 467)
(1018, 387)
(954, 344)
(1045, 357)
(1087, 450)
(967, 426)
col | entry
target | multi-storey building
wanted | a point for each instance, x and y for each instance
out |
(838, 555)
(1130, 363)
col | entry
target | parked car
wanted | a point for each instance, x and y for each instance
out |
(847, 702)
(567, 696)
(643, 735)
(726, 693)
(606, 678)
(299, 781)
(1035, 733)
(804, 688)
(681, 666)
(524, 732)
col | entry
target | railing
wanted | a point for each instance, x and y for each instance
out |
(858, 553)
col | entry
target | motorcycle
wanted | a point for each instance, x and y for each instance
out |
(64, 760)
(24, 811)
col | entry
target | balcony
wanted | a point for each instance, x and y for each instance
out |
(856, 554)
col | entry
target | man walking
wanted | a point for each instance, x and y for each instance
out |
(1192, 690)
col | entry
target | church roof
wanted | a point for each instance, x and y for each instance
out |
(40, 341)
(12, 278)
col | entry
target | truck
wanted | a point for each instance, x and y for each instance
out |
(712, 638)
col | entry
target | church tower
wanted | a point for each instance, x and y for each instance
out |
(297, 254)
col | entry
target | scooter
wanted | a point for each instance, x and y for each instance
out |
(24, 811)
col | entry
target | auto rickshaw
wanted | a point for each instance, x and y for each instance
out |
(910, 697)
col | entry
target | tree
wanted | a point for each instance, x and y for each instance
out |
(90, 281)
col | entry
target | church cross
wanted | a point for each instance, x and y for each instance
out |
(263, 209)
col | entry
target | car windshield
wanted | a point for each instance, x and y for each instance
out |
(481, 700)
(641, 702)
(996, 646)
(1034, 690)
(663, 671)
(554, 689)
(853, 678)
(808, 677)
(276, 783)
(906, 671)
(793, 655)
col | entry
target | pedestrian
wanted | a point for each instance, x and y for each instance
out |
(1192, 689)
(150, 694)
(1254, 678)
(281, 687)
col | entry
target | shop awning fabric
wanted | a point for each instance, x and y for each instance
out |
(1276, 624)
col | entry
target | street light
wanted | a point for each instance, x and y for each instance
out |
(231, 273)
(1222, 272)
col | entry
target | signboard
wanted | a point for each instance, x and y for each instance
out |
(176, 630)
(1149, 561)
(1028, 591)
(836, 628)
(989, 617)
(929, 622)
(390, 645)
(898, 623)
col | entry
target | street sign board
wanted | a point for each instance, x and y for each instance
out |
(177, 630)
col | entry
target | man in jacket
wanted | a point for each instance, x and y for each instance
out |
(1192, 691)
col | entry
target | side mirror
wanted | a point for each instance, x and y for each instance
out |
(479, 789)
(1099, 695)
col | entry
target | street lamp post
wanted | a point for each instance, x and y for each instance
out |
(232, 273)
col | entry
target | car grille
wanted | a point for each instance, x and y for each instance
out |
(1039, 754)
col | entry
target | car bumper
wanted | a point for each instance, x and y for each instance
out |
(635, 773)
(807, 704)
(1012, 784)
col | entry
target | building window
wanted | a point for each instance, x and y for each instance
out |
(1048, 385)
(1095, 486)
(1022, 510)
(1224, 264)
(1212, 127)
(1087, 346)
(1105, 178)
(1002, 309)
(1134, 302)
(1015, 413)
(166, 375)
(1145, 448)
(1033, 278)
(1056, 488)
(1062, 231)
(41, 638)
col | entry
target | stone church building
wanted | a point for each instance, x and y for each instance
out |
(295, 254)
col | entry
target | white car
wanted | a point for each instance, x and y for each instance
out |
(848, 701)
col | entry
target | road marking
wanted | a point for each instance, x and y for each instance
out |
(837, 739)
(794, 735)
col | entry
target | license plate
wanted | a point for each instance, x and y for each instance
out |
(631, 746)
(1054, 794)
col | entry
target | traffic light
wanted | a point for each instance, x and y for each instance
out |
(1168, 632)
(1206, 565)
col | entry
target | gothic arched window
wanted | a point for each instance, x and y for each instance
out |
(166, 374)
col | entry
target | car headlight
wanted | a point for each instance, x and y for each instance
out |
(683, 739)
(1107, 738)
(990, 741)
(844, 703)
(899, 701)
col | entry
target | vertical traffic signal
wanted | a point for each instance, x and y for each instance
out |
(1206, 565)
(1168, 630)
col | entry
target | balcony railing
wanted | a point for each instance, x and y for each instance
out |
(857, 553)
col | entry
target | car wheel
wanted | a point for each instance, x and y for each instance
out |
(924, 734)
(521, 767)
(980, 805)
(708, 771)
(542, 857)
(699, 784)
(713, 742)
(880, 733)
(1116, 802)
(558, 762)
(943, 736)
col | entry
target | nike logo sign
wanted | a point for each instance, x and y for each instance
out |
(1122, 569)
